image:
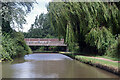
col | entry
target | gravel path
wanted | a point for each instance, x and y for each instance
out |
(105, 59)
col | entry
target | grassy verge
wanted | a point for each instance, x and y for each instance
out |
(103, 64)
(94, 61)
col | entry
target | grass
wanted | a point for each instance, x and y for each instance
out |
(93, 60)
(103, 64)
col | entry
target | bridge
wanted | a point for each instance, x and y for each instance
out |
(44, 42)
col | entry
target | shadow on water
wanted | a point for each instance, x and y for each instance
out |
(51, 66)
(15, 61)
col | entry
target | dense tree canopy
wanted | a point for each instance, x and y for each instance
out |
(41, 28)
(13, 15)
(94, 26)
(84, 26)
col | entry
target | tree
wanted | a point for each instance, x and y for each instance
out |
(13, 44)
(41, 28)
(79, 22)
(14, 13)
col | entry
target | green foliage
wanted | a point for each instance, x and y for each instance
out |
(97, 61)
(1, 51)
(20, 41)
(73, 46)
(8, 47)
(87, 25)
(114, 49)
(42, 48)
(100, 38)
(119, 45)
(41, 28)
(0, 41)
(49, 49)
(53, 48)
(15, 13)
(13, 46)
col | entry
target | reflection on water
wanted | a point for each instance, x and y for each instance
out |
(44, 57)
(51, 66)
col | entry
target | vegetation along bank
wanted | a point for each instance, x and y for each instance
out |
(89, 28)
(12, 42)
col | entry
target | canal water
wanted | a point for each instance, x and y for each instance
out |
(51, 66)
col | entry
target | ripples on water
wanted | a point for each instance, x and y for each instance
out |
(46, 57)
(51, 66)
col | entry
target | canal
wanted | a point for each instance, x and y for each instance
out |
(51, 66)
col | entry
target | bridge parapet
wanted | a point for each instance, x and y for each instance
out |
(44, 42)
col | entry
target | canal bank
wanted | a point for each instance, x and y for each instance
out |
(102, 63)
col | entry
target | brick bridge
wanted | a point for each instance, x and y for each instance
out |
(44, 42)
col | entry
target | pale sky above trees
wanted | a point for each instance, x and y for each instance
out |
(37, 10)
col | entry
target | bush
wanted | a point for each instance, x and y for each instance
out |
(14, 46)
(8, 48)
(74, 47)
(19, 37)
(101, 38)
(114, 49)
(42, 48)
(119, 46)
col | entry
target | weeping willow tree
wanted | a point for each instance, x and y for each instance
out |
(86, 25)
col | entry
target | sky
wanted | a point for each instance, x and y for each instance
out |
(37, 10)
